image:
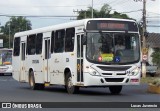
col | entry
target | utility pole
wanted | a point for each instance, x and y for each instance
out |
(144, 39)
(144, 17)
(92, 9)
(144, 30)
(144, 53)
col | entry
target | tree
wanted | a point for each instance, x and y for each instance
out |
(86, 14)
(156, 56)
(15, 24)
(104, 12)
(119, 15)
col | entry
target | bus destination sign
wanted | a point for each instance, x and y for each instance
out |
(104, 26)
(111, 25)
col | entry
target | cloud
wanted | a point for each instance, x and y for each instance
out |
(66, 7)
(18, 7)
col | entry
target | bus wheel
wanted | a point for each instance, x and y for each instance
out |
(71, 89)
(33, 85)
(41, 86)
(115, 89)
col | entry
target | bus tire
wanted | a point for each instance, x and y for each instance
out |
(115, 89)
(70, 88)
(33, 85)
(39, 86)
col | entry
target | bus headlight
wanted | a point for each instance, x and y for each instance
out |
(135, 71)
(93, 72)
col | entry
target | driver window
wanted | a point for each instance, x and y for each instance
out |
(119, 42)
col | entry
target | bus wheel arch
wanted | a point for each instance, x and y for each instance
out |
(66, 71)
(31, 79)
(70, 88)
(32, 83)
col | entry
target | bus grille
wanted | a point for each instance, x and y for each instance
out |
(121, 73)
(107, 73)
(114, 79)
(116, 74)
(105, 68)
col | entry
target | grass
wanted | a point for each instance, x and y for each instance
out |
(153, 80)
(148, 80)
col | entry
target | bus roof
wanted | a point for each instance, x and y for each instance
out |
(64, 25)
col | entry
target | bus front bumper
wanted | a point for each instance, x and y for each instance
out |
(90, 80)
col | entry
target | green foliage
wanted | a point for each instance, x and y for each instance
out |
(119, 15)
(156, 56)
(15, 24)
(156, 82)
(5, 40)
(104, 12)
(149, 80)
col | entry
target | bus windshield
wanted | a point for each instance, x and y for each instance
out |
(113, 48)
(5, 57)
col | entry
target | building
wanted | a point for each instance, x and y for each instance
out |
(152, 41)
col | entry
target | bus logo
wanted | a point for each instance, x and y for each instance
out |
(6, 105)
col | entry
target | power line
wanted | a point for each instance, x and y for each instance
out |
(153, 13)
(133, 11)
(19, 15)
(153, 17)
(112, 2)
(48, 5)
(120, 2)
(26, 6)
(44, 6)
(153, 25)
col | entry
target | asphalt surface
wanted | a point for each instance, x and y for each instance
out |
(13, 91)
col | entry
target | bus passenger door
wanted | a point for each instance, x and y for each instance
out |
(22, 74)
(79, 58)
(46, 59)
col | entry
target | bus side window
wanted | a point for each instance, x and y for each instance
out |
(52, 42)
(59, 41)
(16, 50)
(39, 43)
(69, 40)
(31, 49)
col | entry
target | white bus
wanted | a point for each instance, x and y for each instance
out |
(5, 61)
(81, 53)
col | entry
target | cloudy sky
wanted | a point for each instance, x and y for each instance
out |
(66, 7)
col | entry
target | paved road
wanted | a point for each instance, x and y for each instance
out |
(13, 91)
